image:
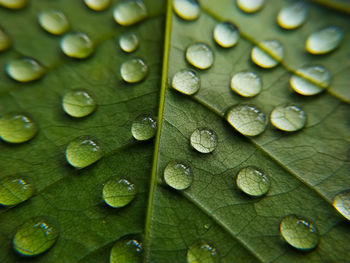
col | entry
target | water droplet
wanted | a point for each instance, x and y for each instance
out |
(247, 119)
(292, 15)
(98, 5)
(128, 42)
(14, 190)
(25, 69)
(267, 54)
(5, 41)
(252, 181)
(126, 250)
(186, 81)
(299, 233)
(204, 140)
(250, 6)
(200, 55)
(129, 12)
(288, 117)
(133, 70)
(118, 192)
(13, 4)
(324, 40)
(83, 151)
(77, 45)
(34, 237)
(53, 21)
(226, 34)
(17, 128)
(187, 9)
(202, 252)
(341, 202)
(246, 84)
(78, 103)
(144, 128)
(310, 80)
(178, 175)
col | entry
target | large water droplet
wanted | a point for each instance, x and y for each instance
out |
(204, 140)
(129, 12)
(250, 6)
(247, 119)
(288, 117)
(186, 81)
(187, 9)
(25, 69)
(83, 151)
(78, 103)
(144, 128)
(5, 41)
(200, 55)
(77, 45)
(252, 181)
(127, 250)
(133, 70)
(324, 40)
(128, 42)
(267, 54)
(13, 4)
(341, 202)
(310, 80)
(17, 128)
(292, 15)
(34, 237)
(246, 84)
(98, 5)
(53, 21)
(202, 252)
(299, 233)
(14, 190)
(178, 175)
(226, 34)
(118, 192)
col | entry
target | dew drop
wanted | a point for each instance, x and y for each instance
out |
(250, 6)
(129, 12)
(133, 70)
(5, 41)
(128, 42)
(53, 21)
(288, 117)
(252, 181)
(77, 45)
(204, 140)
(299, 233)
(292, 16)
(13, 4)
(226, 34)
(34, 237)
(246, 84)
(25, 69)
(341, 202)
(126, 250)
(118, 192)
(186, 81)
(200, 55)
(267, 54)
(97, 5)
(202, 252)
(247, 119)
(187, 9)
(324, 40)
(178, 175)
(17, 128)
(78, 103)
(83, 151)
(15, 190)
(144, 128)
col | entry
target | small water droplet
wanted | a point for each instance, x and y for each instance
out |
(14, 190)
(25, 69)
(53, 21)
(187, 9)
(288, 117)
(13, 4)
(178, 175)
(144, 127)
(128, 42)
(5, 41)
(204, 140)
(200, 55)
(299, 233)
(133, 70)
(186, 81)
(128, 249)
(267, 54)
(250, 6)
(78, 103)
(292, 15)
(202, 252)
(77, 45)
(324, 40)
(252, 181)
(34, 237)
(17, 128)
(118, 192)
(97, 5)
(226, 34)
(247, 119)
(310, 80)
(83, 151)
(129, 12)
(246, 84)
(341, 202)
